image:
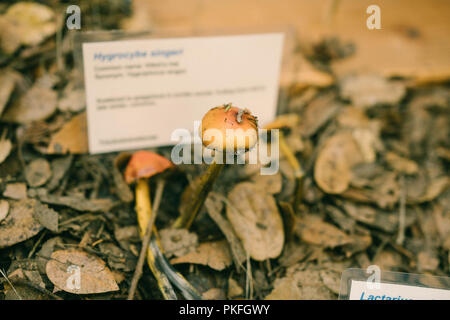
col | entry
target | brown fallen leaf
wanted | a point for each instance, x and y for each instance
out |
(214, 206)
(95, 276)
(16, 191)
(256, 220)
(313, 230)
(318, 113)
(36, 104)
(401, 164)
(332, 170)
(30, 23)
(37, 172)
(285, 289)
(4, 209)
(5, 145)
(177, 242)
(59, 168)
(47, 217)
(8, 80)
(435, 188)
(20, 224)
(234, 289)
(72, 138)
(367, 90)
(215, 254)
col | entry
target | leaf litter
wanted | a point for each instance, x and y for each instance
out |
(356, 137)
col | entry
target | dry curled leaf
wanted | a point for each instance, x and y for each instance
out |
(256, 220)
(95, 276)
(20, 224)
(215, 255)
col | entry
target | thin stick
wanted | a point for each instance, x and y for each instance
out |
(146, 240)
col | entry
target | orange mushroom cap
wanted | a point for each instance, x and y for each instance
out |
(237, 129)
(144, 164)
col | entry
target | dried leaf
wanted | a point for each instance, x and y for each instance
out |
(5, 149)
(315, 231)
(319, 112)
(285, 289)
(30, 23)
(8, 80)
(214, 206)
(332, 170)
(215, 255)
(95, 276)
(177, 242)
(16, 191)
(434, 189)
(37, 172)
(36, 104)
(47, 217)
(4, 209)
(20, 224)
(71, 138)
(401, 164)
(73, 100)
(256, 220)
(367, 90)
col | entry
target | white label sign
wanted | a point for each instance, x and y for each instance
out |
(389, 291)
(139, 91)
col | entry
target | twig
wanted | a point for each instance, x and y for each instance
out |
(146, 240)
(402, 214)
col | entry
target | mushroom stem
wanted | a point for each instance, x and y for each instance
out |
(298, 171)
(197, 196)
(160, 267)
(144, 211)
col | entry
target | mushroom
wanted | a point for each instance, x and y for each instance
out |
(142, 166)
(227, 130)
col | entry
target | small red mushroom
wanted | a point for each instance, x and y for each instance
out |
(142, 166)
